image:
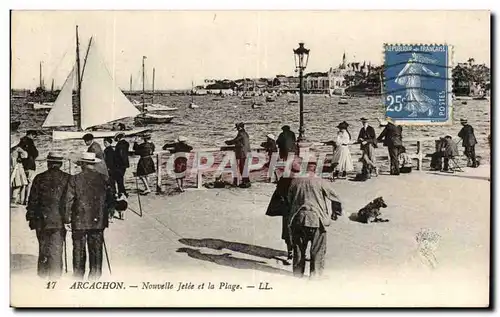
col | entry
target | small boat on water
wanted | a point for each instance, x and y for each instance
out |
(159, 107)
(150, 118)
(45, 105)
(14, 125)
(256, 105)
(192, 105)
(293, 101)
(343, 101)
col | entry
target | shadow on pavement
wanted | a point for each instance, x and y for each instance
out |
(249, 249)
(462, 176)
(23, 262)
(227, 259)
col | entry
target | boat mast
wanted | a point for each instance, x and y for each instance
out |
(79, 82)
(143, 58)
(52, 86)
(192, 92)
(153, 97)
(130, 82)
(41, 80)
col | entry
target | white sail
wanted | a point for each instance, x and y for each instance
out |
(61, 113)
(101, 100)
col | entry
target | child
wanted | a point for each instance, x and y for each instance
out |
(18, 179)
(145, 166)
(404, 161)
(180, 164)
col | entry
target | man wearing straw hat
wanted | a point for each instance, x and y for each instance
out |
(45, 214)
(88, 200)
(468, 142)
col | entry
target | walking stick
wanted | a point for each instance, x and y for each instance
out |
(138, 195)
(106, 252)
(65, 255)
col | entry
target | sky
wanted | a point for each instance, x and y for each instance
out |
(190, 46)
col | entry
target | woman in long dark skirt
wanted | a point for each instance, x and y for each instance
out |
(146, 165)
(180, 163)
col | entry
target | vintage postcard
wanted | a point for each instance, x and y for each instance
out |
(250, 159)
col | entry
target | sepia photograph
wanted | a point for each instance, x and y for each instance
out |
(231, 158)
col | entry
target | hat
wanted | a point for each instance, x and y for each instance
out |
(240, 125)
(88, 137)
(119, 135)
(88, 157)
(181, 138)
(463, 120)
(363, 119)
(34, 132)
(343, 125)
(271, 136)
(55, 157)
(145, 135)
(285, 127)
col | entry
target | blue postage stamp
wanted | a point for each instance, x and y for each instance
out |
(417, 83)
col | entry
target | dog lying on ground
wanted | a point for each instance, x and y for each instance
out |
(371, 212)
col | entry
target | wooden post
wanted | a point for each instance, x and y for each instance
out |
(158, 173)
(420, 155)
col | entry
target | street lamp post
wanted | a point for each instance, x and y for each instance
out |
(301, 55)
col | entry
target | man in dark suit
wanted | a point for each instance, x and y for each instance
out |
(121, 162)
(393, 139)
(286, 142)
(88, 201)
(110, 159)
(468, 142)
(94, 147)
(45, 212)
(27, 143)
(241, 149)
(368, 141)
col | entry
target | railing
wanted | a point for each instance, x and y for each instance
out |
(316, 148)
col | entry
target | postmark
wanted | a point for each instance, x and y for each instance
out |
(417, 83)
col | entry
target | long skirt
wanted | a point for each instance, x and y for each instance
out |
(18, 176)
(145, 166)
(342, 157)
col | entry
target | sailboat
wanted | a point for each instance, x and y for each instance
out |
(157, 106)
(255, 104)
(41, 91)
(192, 105)
(149, 118)
(98, 100)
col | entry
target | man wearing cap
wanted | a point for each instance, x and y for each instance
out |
(286, 142)
(368, 140)
(88, 201)
(45, 214)
(241, 150)
(121, 162)
(27, 143)
(391, 136)
(309, 216)
(94, 147)
(468, 142)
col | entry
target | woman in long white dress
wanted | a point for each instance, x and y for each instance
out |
(342, 156)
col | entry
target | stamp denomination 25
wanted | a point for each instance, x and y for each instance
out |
(417, 83)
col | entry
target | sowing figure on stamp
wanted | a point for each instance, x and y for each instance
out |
(410, 77)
